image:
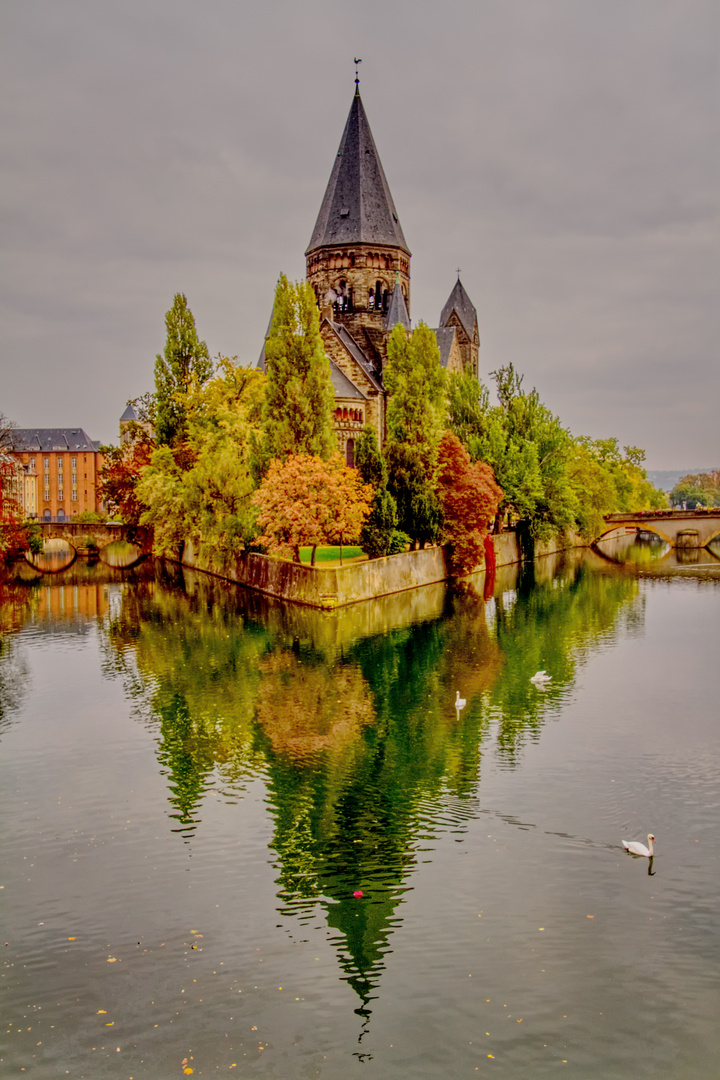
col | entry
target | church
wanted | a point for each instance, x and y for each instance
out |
(358, 264)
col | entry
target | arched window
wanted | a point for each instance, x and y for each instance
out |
(46, 515)
(61, 514)
(345, 414)
(371, 300)
(350, 453)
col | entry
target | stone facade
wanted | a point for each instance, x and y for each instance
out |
(358, 264)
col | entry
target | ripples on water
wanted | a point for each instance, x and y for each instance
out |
(196, 781)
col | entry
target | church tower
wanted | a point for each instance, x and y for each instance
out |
(358, 253)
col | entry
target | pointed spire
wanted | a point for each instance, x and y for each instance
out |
(460, 302)
(358, 206)
(397, 308)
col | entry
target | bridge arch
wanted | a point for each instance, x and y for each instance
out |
(672, 526)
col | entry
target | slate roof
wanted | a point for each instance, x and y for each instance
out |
(358, 206)
(42, 439)
(342, 386)
(445, 336)
(460, 302)
(397, 310)
(357, 353)
(129, 414)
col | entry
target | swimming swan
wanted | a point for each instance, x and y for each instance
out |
(636, 848)
(541, 677)
(460, 702)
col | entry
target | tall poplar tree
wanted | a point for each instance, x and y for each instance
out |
(185, 361)
(416, 415)
(297, 416)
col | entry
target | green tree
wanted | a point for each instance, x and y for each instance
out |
(415, 381)
(376, 535)
(184, 362)
(695, 489)
(202, 492)
(297, 417)
(416, 412)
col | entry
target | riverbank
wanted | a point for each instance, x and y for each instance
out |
(328, 588)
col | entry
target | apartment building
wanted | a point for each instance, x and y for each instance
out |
(66, 464)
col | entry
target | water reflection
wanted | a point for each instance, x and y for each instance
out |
(353, 730)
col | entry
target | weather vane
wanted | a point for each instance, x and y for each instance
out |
(357, 60)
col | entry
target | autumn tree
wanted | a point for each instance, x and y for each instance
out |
(697, 489)
(376, 535)
(121, 471)
(297, 416)
(185, 361)
(305, 500)
(469, 497)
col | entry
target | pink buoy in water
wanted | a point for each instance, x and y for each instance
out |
(358, 893)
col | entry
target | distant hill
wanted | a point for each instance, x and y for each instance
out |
(666, 479)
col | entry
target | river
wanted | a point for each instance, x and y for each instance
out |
(243, 838)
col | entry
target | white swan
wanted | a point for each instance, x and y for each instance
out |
(636, 848)
(541, 677)
(460, 702)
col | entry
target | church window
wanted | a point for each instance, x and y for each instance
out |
(350, 453)
(345, 414)
(352, 260)
(371, 300)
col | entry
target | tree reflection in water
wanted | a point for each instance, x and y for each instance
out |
(353, 730)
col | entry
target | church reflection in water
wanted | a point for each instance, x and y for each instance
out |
(350, 723)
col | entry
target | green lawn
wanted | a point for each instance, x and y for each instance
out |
(330, 556)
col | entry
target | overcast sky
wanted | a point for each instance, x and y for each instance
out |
(563, 153)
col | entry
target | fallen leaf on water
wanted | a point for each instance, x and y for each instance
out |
(589, 916)
(112, 959)
(101, 1011)
(72, 939)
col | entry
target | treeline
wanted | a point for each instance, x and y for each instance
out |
(697, 490)
(231, 458)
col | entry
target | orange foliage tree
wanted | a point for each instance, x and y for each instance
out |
(121, 470)
(305, 500)
(469, 497)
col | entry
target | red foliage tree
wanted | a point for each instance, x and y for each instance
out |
(305, 500)
(121, 472)
(470, 497)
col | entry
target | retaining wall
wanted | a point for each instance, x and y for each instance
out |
(330, 588)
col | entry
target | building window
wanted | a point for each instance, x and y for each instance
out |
(60, 464)
(73, 463)
(46, 514)
(61, 514)
(47, 494)
(60, 494)
(74, 495)
(32, 463)
(46, 462)
(74, 478)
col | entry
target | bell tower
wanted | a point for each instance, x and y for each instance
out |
(358, 252)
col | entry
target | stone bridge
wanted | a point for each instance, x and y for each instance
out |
(679, 528)
(81, 537)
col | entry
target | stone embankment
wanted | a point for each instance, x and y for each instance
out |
(330, 588)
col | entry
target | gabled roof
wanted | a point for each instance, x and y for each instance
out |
(460, 302)
(397, 310)
(357, 207)
(342, 386)
(42, 439)
(356, 352)
(445, 335)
